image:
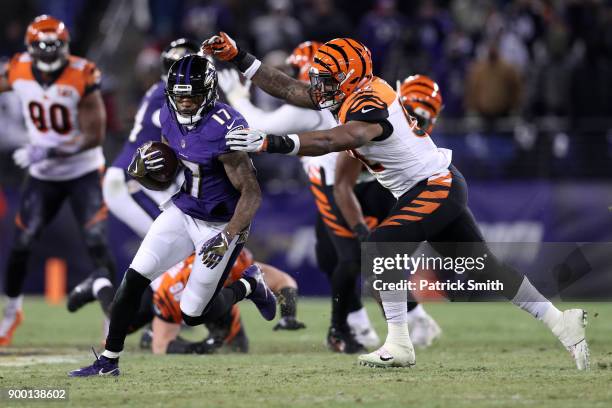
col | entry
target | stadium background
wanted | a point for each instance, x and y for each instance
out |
(532, 132)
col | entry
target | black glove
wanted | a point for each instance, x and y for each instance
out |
(361, 231)
(214, 249)
(289, 323)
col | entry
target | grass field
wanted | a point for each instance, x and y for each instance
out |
(490, 355)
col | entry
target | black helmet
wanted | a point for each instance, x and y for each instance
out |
(192, 80)
(176, 50)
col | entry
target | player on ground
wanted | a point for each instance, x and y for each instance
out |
(211, 214)
(128, 200)
(65, 117)
(165, 295)
(421, 97)
(431, 192)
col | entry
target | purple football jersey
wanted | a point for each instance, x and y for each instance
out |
(207, 192)
(146, 124)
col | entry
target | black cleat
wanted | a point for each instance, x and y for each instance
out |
(343, 341)
(81, 295)
(289, 323)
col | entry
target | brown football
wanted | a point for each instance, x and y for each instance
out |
(168, 172)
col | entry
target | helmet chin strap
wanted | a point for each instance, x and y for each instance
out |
(189, 119)
(49, 67)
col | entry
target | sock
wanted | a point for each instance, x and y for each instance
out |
(13, 305)
(398, 334)
(417, 312)
(359, 318)
(288, 302)
(111, 354)
(533, 302)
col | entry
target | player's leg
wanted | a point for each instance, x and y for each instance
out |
(164, 333)
(166, 243)
(40, 201)
(91, 213)
(286, 290)
(128, 202)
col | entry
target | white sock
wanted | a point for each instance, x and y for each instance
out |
(359, 318)
(13, 304)
(532, 301)
(398, 334)
(99, 284)
(247, 285)
(110, 354)
(417, 312)
(396, 313)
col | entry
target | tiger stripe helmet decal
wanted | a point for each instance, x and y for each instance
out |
(301, 58)
(421, 96)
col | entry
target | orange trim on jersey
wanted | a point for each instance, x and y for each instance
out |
(338, 229)
(389, 223)
(18, 68)
(376, 89)
(434, 194)
(100, 215)
(314, 180)
(319, 194)
(426, 207)
(19, 222)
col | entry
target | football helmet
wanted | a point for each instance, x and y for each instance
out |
(301, 58)
(47, 41)
(340, 66)
(176, 50)
(421, 97)
(191, 88)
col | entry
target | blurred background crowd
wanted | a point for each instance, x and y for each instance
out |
(527, 85)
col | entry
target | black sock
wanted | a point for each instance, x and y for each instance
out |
(16, 270)
(124, 308)
(287, 300)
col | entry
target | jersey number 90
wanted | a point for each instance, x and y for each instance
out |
(58, 117)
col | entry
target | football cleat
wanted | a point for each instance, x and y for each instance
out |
(423, 331)
(570, 330)
(343, 341)
(9, 324)
(81, 295)
(103, 367)
(239, 343)
(289, 323)
(389, 355)
(261, 295)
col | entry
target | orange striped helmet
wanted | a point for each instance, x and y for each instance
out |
(47, 41)
(340, 66)
(301, 58)
(421, 97)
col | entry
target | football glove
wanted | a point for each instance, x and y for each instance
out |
(247, 140)
(289, 323)
(144, 162)
(214, 249)
(221, 46)
(29, 154)
(234, 90)
(361, 232)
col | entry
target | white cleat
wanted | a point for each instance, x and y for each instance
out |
(423, 331)
(570, 330)
(366, 336)
(389, 355)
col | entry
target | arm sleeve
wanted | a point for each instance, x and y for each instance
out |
(284, 120)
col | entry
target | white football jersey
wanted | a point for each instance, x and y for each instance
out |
(51, 115)
(408, 155)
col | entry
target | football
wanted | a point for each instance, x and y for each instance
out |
(167, 173)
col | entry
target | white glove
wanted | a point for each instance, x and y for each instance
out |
(246, 140)
(29, 154)
(234, 90)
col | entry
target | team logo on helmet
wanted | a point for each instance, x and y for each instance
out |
(301, 59)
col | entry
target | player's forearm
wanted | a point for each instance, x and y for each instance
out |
(318, 142)
(248, 204)
(281, 85)
(348, 204)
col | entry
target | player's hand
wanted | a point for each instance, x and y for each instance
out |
(234, 90)
(247, 140)
(144, 162)
(289, 323)
(214, 249)
(29, 154)
(221, 47)
(361, 232)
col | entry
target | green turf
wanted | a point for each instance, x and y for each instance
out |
(490, 355)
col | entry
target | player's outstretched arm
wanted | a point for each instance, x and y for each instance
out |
(271, 80)
(92, 119)
(347, 173)
(241, 174)
(316, 143)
